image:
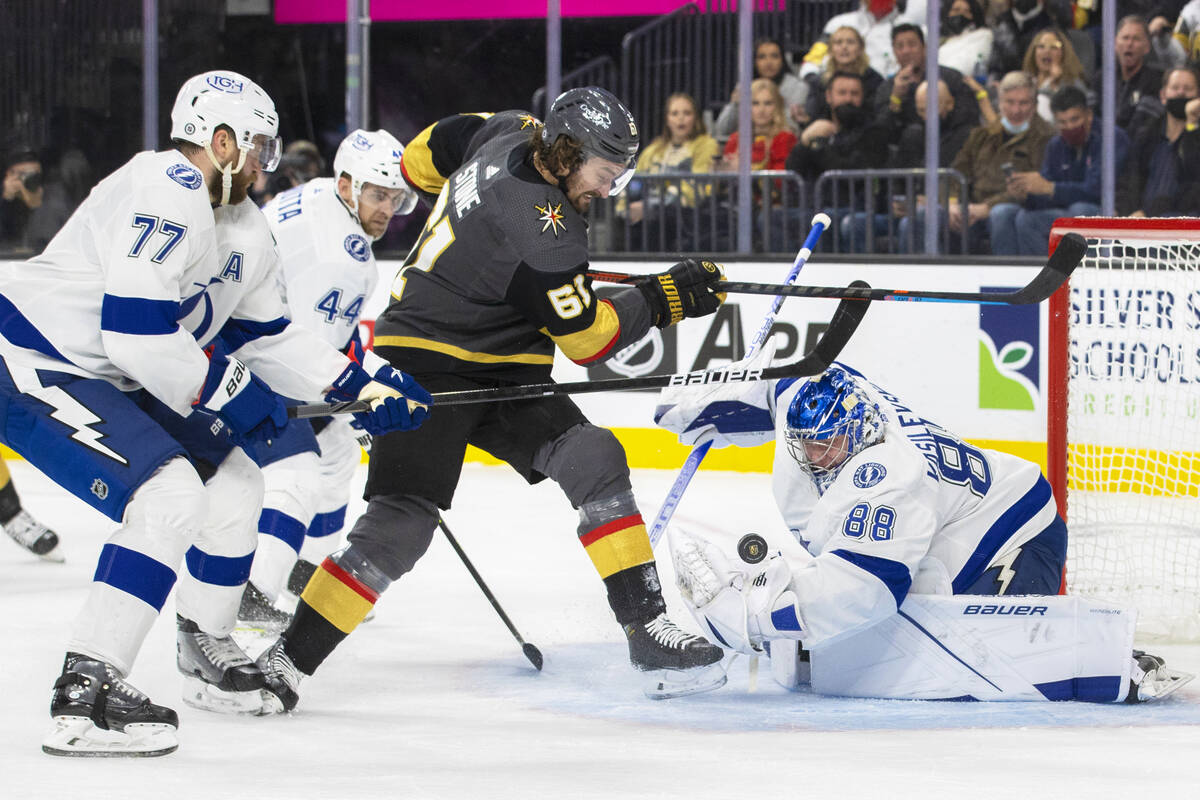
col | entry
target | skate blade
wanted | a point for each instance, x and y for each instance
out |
(1167, 681)
(79, 737)
(270, 704)
(667, 683)
(206, 697)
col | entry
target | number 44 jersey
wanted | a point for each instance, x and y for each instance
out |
(921, 511)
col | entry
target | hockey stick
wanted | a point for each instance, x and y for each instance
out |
(845, 321)
(692, 464)
(532, 653)
(1056, 271)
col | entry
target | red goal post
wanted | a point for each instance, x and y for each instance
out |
(1123, 417)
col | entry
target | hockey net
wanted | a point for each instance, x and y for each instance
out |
(1123, 415)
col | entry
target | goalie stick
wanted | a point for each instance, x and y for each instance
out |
(845, 321)
(1058, 268)
(819, 223)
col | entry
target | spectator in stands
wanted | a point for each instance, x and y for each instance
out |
(1013, 33)
(1052, 62)
(850, 140)
(874, 19)
(966, 39)
(23, 193)
(893, 101)
(684, 146)
(1138, 83)
(769, 63)
(773, 139)
(1016, 139)
(1068, 184)
(1162, 174)
(301, 163)
(847, 53)
(70, 181)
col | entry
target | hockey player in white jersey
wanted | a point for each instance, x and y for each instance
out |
(110, 340)
(323, 231)
(905, 526)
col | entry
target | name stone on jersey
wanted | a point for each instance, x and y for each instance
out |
(466, 189)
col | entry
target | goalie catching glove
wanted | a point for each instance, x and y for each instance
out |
(687, 289)
(243, 401)
(398, 402)
(737, 413)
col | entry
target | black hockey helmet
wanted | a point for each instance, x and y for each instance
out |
(597, 120)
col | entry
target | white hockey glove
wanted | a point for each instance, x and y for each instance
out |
(742, 611)
(740, 414)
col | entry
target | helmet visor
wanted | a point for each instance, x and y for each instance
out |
(266, 150)
(620, 182)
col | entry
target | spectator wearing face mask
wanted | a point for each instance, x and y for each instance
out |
(1162, 175)
(1068, 184)
(966, 39)
(22, 170)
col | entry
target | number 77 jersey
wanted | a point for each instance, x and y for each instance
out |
(921, 510)
(496, 279)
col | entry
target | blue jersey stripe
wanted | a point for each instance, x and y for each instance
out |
(1012, 520)
(895, 576)
(218, 570)
(135, 573)
(284, 527)
(138, 315)
(237, 332)
(327, 523)
(21, 332)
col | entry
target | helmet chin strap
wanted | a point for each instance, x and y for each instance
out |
(226, 171)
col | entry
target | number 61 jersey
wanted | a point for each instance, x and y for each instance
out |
(919, 503)
(497, 279)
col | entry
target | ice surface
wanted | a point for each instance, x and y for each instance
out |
(434, 698)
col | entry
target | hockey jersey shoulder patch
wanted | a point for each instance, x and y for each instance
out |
(551, 216)
(185, 175)
(356, 245)
(869, 474)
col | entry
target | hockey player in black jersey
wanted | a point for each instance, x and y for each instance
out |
(495, 283)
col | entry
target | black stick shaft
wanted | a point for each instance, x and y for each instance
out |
(531, 652)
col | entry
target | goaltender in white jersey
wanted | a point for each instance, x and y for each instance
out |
(908, 531)
(118, 380)
(323, 231)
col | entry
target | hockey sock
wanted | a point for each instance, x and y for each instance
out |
(10, 503)
(614, 535)
(338, 597)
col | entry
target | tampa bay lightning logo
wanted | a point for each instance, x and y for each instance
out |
(225, 83)
(186, 176)
(357, 247)
(869, 474)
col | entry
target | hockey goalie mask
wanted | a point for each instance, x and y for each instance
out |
(601, 124)
(373, 157)
(221, 97)
(830, 420)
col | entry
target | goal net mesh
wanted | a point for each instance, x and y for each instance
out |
(1133, 429)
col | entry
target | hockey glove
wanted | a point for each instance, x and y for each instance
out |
(685, 290)
(398, 402)
(739, 414)
(246, 404)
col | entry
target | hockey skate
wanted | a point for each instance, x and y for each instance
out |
(1151, 679)
(218, 675)
(678, 663)
(257, 614)
(282, 677)
(34, 536)
(97, 714)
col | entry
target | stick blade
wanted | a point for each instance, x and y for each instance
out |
(1062, 262)
(533, 654)
(846, 318)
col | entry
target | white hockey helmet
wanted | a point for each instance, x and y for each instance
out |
(373, 157)
(222, 97)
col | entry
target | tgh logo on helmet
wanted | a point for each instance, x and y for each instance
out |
(360, 142)
(224, 83)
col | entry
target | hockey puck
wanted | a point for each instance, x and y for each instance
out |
(752, 548)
